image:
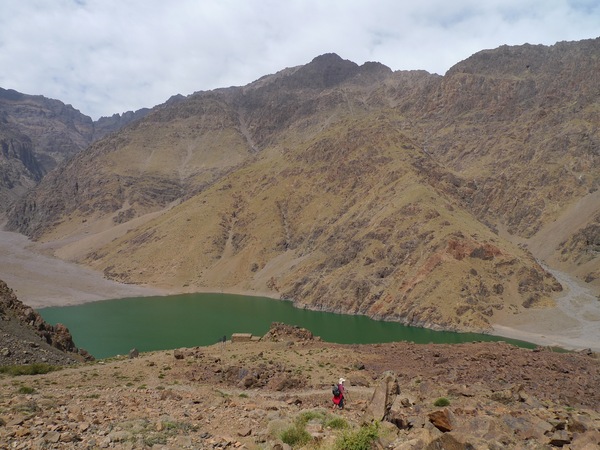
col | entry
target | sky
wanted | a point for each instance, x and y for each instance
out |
(111, 56)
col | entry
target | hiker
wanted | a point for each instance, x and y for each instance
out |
(338, 394)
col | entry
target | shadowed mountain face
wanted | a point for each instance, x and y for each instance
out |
(350, 188)
(38, 133)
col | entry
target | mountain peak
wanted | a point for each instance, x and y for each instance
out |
(324, 71)
(327, 58)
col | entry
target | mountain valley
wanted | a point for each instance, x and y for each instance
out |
(404, 196)
(464, 202)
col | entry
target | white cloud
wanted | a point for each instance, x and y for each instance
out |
(107, 56)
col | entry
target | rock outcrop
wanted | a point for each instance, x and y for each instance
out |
(510, 417)
(28, 339)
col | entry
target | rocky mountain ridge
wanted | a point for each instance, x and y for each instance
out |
(400, 195)
(38, 133)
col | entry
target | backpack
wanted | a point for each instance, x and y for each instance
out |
(336, 390)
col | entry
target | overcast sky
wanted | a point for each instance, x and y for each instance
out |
(111, 56)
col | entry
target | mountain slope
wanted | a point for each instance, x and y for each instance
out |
(340, 225)
(37, 134)
(345, 188)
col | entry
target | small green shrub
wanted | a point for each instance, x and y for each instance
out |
(28, 369)
(26, 390)
(336, 423)
(243, 395)
(222, 394)
(29, 407)
(442, 401)
(360, 439)
(155, 439)
(307, 416)
(295, 436)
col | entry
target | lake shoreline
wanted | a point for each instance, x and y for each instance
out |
(42, 281)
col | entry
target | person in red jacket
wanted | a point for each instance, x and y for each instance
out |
(338, 394)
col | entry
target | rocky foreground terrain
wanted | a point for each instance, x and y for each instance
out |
(275, 394)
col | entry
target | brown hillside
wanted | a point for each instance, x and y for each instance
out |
(347, 188)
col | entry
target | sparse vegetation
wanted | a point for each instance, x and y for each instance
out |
(28, 369)
(29, 407)
(337, 423)
(26, 390)
(360, 439)
(295, 436)
(442, 401)
(307, 416)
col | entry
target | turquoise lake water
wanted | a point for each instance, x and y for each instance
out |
(113, 327)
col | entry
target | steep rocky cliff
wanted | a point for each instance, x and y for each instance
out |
(399, 195)
(106, 125)
(37, 134)
(28, 339)
(57, 131)
(19, 168)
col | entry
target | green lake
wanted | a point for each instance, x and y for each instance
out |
(113, 327)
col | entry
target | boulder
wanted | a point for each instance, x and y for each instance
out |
(560, 438)
(456, 441)
(382, 399)
(400, 409)
(442, 420)
(586, 441)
